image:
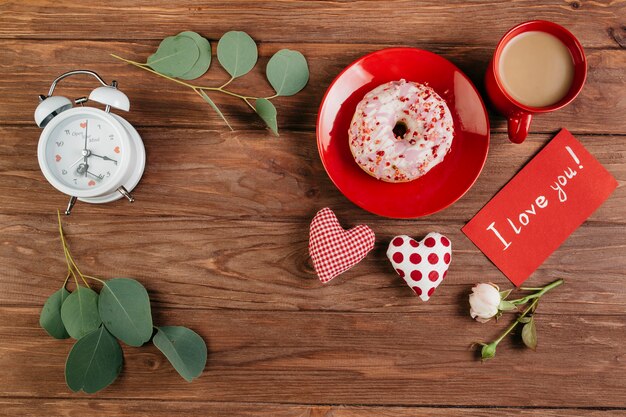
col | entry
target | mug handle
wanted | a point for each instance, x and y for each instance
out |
(518, 127)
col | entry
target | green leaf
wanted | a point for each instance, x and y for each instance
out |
(217, 110)
(237, 53)
(287, 72)
(124, 307)
(50, 318)
(204, 59)
(505, 294)
(506, 306)
(266, 110)
(94, 362)
(79, 312)
(524, 319)
(529, 334)
(184, 348)
(488, 351)
(176, 55)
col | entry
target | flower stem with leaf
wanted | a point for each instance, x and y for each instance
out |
(526, 317)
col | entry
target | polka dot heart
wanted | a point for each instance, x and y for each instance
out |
(423, 265)
(334, 250)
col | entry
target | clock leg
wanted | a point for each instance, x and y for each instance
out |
(126, 194)
(70, 205)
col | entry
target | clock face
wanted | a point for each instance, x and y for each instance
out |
(84, 151)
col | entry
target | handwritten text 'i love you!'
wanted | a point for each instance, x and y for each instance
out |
(540, 207)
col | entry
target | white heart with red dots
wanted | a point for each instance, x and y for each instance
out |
(423, 265)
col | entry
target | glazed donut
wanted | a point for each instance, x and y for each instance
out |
(400, 130)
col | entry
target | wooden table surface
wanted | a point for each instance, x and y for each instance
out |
(219, 231)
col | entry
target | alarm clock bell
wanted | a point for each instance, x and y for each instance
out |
(50, 107)
(110, 96)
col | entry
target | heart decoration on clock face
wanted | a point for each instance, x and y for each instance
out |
(423, 265)
(334, 250)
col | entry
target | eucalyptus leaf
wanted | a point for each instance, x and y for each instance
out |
(217, 110)
(124, 307)
(94, 362)
(266, 110)
(184, 348)
(79, 312)
(204, 59)
(50, 318)
(529, 334)
(287, 72)
(176, 55)
(237, 53)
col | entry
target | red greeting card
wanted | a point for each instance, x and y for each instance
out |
(540, 207)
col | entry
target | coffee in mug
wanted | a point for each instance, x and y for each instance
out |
(536, 69)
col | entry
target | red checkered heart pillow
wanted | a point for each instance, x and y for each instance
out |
(333, 249)
(423, 265)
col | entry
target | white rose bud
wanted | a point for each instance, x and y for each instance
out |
(484, 301)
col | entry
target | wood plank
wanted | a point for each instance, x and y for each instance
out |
(167, 408)
(598, 24)
(245, 175)
(337, 358)
(193, 263)
(159, 102)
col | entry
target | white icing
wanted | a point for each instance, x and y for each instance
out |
(428, 137)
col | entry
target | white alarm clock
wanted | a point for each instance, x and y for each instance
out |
(90, 154)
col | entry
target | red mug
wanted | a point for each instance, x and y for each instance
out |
(519, 115)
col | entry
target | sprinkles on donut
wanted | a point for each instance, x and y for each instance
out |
(400, 130)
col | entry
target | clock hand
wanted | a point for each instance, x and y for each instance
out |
(77, 161)
(106, 158)
(85, 150)
(94, 175)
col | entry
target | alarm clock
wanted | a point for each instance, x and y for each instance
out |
(92, 155)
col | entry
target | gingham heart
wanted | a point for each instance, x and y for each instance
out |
(334, 250)
(423, 265)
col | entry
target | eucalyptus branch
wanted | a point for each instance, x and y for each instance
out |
(66, 279)
(188, 55)
(249, 104)
(192, 86)
(68, 257)
(227, 82)
(94, 278)
(97, 320)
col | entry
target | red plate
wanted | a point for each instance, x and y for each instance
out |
(442, 185)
